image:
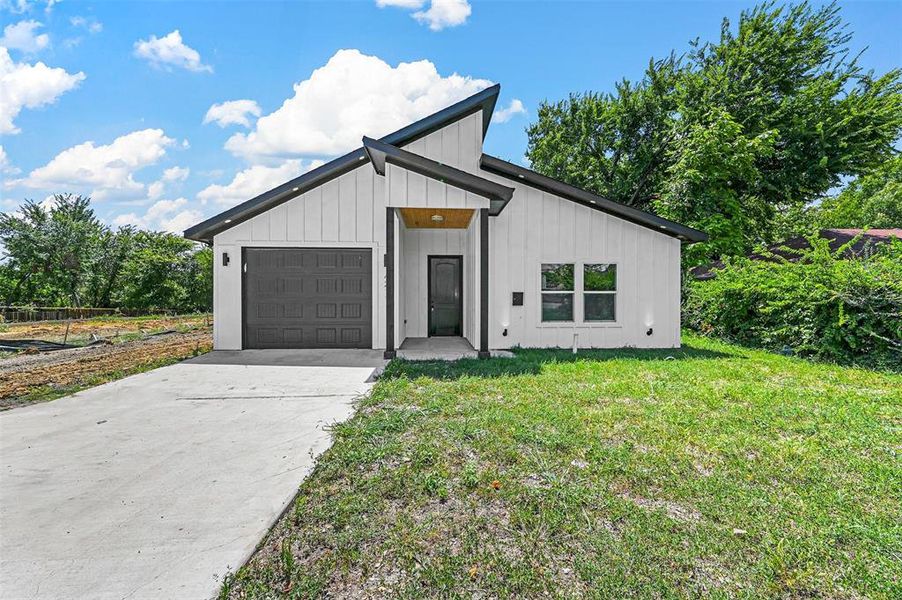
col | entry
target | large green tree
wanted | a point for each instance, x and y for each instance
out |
(781, 88)
(48, 249)
(60, 254)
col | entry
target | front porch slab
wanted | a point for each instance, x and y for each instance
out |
(442, 348)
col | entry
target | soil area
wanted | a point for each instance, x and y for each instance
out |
(25, 376)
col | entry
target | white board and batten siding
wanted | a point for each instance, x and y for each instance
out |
(538, 227)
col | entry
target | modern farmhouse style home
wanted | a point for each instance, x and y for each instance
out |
(420, 234)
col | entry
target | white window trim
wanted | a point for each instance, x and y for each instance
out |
(579, 312)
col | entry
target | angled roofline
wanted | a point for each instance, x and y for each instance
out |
(483, 101)
(580, 196)
(381, 153)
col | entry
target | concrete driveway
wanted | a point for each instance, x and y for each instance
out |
(156, 485)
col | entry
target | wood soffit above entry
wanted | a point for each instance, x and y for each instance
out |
(436, 218)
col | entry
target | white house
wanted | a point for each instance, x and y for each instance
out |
(421, 234)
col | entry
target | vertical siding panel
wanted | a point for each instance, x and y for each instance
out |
(397, 182)
(435, 194)
(364, 203)
(416, 189)
(278, 223)
(379, 205)
(347, 207)
(417, 146)
(515, 212)
(260, 227)
(313, 210)
(330, 211)
(434, 146)
(470, 140)
(295, 219)
(450, 145)
(567, 229)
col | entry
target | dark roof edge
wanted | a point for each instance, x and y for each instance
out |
(484, 101)
(380, 153)
(580, 196)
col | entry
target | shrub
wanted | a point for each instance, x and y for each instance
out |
(822, 305)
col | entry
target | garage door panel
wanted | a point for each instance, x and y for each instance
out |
(308, 298)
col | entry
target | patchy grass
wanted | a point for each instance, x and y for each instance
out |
(723, 472)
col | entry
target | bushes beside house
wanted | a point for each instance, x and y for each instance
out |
(823, 305)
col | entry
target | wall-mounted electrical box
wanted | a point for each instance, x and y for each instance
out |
(517, 298)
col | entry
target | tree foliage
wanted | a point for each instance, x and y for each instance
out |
(61, 254)
(824, 304)
(734, 133)
(873, 201)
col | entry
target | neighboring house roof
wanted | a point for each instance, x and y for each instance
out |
(482, 101)
(590, 200)
(790, 249)
(380, 153)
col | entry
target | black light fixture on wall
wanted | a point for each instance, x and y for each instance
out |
(225, 259)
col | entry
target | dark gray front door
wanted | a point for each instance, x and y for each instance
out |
(445, 295)
(308, 298)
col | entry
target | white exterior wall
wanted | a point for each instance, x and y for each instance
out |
(537, 227)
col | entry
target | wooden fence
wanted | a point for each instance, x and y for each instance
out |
(21, 314)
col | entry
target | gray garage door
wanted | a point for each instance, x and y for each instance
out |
(308, 298)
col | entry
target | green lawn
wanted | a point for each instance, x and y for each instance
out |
(721, 472)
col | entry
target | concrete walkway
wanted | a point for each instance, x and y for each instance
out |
(155, 485)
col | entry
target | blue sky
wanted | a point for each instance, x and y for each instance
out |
(111, 98)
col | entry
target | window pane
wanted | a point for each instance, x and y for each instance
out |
(600, 307)
(600, 278)
(557, 307)
(557, 278)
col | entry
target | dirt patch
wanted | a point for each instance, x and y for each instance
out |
(674, 510)
(108, 328)
(24, 374)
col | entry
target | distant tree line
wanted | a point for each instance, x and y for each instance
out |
(61, 254)
(744, 137)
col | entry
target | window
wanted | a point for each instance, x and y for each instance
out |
(557, 292)
(599, 292)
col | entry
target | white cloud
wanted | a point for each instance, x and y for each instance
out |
(169, 51)
(176, 174)
(29, 86)
(503, 115)
(351, 96)
(233, 112)
(22, 36)
(91, 25)
(16, 7)
(444, 13)
(170, 175)
(107, 170)
(254, 181)
(5, 165)
(440, 14)
(163, 215)
(411, 4)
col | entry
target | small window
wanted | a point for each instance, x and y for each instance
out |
(600, 292)
(557, 292)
